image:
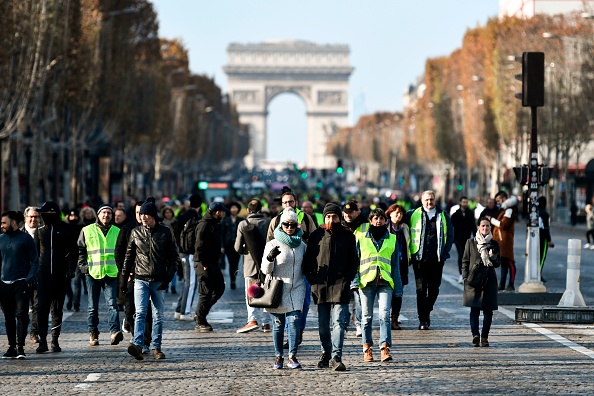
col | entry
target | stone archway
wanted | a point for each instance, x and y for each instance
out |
(318, 74)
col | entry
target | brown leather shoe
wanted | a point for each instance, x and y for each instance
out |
(93, 339)
(251, 325)
(367, 353)
(385, 353)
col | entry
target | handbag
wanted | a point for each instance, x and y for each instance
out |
(478, 276)
(273, 292)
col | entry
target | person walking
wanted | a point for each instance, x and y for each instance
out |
(330, 264)
(75, 225)
(481, 250)
(250, 242)
(229, 232)
(283, 259)
(464, 227)
(589, 227)
(504, 225)
(32, 222)
(96, 245)
(378, 276)
(544, 225)
(431, 239)
(19, 263)
(151, 260)
(57, 262)
(396, 226)
(358, 224)
(169, 219)
(186, 297)
(211, 284)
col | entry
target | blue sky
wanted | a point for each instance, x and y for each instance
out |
(390, 40)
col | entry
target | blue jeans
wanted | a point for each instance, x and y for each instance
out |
(110, 290)
(278, 331)
(143, 292)
(367, 294)
(356, 300)
(337, 316)
(306, 304)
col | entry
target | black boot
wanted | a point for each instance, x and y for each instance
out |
(55, 344)
(42, 348)
(396, 306)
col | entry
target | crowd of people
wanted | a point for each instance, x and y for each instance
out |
(342, 256)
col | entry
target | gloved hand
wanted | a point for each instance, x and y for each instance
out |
(273, 253)
(124, 286)
(163, 286)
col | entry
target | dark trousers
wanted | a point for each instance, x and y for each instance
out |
(474, 321)
(14, 299)
(51, 292)
(34, 304)
(396, 307)
(233, 258)
(211, 286)
(460, 245)
(130, 311)
(507, 265)
(79, 284)
(428, 281)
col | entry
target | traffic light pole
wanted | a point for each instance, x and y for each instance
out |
(532, 283)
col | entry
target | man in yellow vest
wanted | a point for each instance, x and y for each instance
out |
(378, 275)
(317, 217)
(431, 238)
(96, 246)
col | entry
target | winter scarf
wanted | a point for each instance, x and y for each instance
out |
(483, 244)
(291, 241)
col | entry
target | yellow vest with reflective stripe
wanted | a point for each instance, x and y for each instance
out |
(371, 260)
(416, 224)
(361, 231)
(100, 251)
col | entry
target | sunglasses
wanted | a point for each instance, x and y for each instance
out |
(290, 225)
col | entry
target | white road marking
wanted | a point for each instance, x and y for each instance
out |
(220, 317)
(539, 329)
(90, 378)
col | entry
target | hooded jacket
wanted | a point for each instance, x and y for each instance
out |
(208, 242)
(56, 246)
(505, 226)
(330, 264)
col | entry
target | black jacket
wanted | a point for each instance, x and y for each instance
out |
(330, 264)
(464, 225)
(208, 242)
(151, 254)
(475, 297)
(58, 251)
(122, 243)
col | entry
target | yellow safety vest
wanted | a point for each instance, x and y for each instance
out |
(371, 260)
(100, 251)
(361, 231)
(416, 224)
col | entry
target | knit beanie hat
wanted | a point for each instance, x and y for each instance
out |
(289, 215)
(105, 207)
(149, 208)
(332, 208)
(195, 200)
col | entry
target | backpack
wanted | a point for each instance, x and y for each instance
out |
(187, 237)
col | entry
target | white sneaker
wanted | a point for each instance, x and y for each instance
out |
(358, 331)
(176, 315)
(587, 245)
(460, 279)
(186, 318)
(124, 329)
(591, 247)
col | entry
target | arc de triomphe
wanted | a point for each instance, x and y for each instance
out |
(318, 74)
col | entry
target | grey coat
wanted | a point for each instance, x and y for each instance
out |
(288, 267)
(261, 223)
(477, 298)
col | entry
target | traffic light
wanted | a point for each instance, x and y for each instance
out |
(339, 168)
(532, 78)
(304, 174)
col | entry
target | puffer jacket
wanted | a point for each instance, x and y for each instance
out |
(152, 254)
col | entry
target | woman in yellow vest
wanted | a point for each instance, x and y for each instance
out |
(378, 275)
(396, 226)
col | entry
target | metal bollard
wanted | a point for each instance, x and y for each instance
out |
(572, 297)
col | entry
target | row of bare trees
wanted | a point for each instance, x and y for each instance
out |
(95, 106)
(462, 116)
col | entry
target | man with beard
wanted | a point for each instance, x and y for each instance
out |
(358, 224)
(19, 263)
(330, 265)
(57, 262)
(96, 245)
